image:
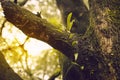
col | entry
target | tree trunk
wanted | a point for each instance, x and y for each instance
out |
(98, 50)
(106, 27)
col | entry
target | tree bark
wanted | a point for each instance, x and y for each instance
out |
(106, 26)
(98, 49)
(39, 28)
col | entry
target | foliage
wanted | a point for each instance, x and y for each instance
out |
(86, 2)
(90, 61)
(69, 22)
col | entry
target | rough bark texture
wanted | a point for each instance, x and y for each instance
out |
(98, 50)
(106, 24)
(38, 28)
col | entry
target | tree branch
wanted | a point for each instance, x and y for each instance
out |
(39, 28)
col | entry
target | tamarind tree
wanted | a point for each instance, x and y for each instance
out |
(98, 49)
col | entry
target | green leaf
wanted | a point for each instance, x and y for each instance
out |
(86, 2)
(74, 43)
(76, 56)
(69, 22)
(71, 36)
(82, 67)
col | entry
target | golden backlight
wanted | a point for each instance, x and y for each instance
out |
(33, 46)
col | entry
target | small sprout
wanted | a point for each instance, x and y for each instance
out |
(76, 56)
(69, 22)
(86, 2)
(74, 43)
(71, 36)
(39, 14)
(82, 67)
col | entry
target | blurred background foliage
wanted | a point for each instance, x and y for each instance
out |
(32, 59)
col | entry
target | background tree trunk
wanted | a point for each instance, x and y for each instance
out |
(106, 27)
